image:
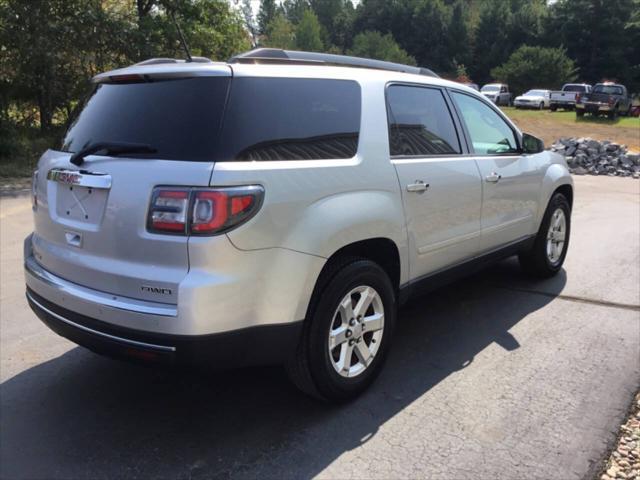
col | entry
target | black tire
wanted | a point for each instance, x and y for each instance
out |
(536, 261)
(580, 113)
(541, 106)
(613, 114)
(311, 368)
(553, 108)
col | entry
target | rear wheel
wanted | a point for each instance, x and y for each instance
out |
(347, 332)
(613, 114)
(579, 113)
(553, 108)
(549, 250)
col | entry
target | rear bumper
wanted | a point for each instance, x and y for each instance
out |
(251, 346)
(563, 103)
(594, 107)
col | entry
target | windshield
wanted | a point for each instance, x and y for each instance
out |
(574, 88)
(535, 93)
(608, 89)
(179, 119)
(490, 88)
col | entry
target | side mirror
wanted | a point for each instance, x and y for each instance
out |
(531, 144)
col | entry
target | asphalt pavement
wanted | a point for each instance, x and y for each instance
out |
(495, 376)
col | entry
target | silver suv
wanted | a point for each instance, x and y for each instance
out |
(277, 209)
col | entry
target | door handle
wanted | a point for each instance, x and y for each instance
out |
(417, 187)
(493, 177)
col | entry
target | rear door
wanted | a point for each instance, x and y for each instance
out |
(511, 181)
(91, 220)
(441, 187)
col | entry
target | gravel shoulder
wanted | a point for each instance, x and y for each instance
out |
(624, 462)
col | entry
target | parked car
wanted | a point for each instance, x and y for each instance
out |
(533, 99)
(566, 98)
(498, 93)
(277, 209)
(610, 99)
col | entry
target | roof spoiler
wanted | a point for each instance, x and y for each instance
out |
(278, 56)
(158, 61)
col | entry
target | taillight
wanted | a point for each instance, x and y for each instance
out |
(611, 100)
(202, 211)
(34, 191)
(578, 97)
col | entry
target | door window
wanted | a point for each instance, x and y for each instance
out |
(420, 123)
(490, 134)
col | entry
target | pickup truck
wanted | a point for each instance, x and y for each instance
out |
(566, 97)
(610, 99)
(498, 93)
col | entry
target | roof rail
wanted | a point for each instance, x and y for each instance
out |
(157, 61)
(276, 55)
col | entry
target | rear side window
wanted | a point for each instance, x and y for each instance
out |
(179, 118)
(291, 119)
(420, 122)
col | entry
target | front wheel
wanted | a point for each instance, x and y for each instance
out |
(541, 106)
(549, 250)
(613, 115)
(347, 332)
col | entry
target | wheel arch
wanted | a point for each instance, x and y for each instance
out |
(380, 250)
(556, 179)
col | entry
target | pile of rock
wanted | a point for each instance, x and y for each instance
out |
(624, 462)
(586, 156)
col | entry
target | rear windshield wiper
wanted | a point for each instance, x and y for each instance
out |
(110, 148)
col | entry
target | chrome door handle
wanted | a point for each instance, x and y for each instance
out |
(493, 177)
(417, 187)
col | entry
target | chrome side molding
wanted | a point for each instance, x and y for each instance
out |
(81, 178)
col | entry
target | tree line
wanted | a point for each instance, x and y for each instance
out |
(528, 43)
(50, 48)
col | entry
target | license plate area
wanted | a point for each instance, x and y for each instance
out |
(79, 198)
(80, 204)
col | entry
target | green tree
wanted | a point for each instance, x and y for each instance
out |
(294, 9)
(308, 35)
(380, 47)
(492, 45)
(593, 31)
(458, 35)
(266, 14)
(280, 33)
(536, 67)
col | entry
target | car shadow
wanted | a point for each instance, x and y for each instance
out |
(84, 416)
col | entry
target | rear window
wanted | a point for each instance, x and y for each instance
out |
(179, 118)
(291, 119)
(608, 89)
(574, 88)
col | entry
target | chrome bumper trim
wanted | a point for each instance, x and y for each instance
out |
(96, 297)
(127, 341)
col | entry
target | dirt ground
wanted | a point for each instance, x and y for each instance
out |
(551, 126)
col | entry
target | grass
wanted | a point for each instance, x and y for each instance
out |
(569, 117)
